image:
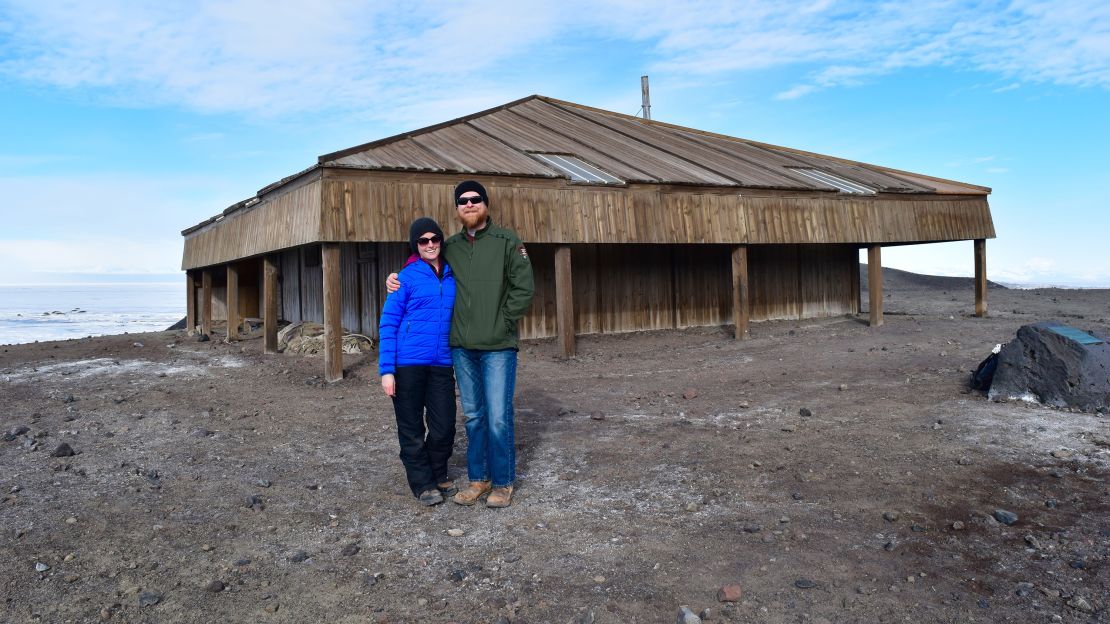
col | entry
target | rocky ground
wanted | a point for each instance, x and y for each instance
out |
(823, 471)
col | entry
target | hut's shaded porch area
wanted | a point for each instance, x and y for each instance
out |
(580, 288)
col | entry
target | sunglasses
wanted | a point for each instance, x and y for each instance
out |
(462, 201)
(429, 239)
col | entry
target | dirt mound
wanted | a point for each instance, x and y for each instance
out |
(897, 279)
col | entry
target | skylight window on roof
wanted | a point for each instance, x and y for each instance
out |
(844, 186)
(578, 170)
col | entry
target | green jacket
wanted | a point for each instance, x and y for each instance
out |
(493, 288)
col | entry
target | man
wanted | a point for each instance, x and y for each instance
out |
(494, 288)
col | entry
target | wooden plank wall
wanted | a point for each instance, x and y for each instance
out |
(378, 206)
(312, 284)
(289, 278)
(286, 220)
(616, 288)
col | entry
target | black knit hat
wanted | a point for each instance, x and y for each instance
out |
(420, 226)
(471, 186)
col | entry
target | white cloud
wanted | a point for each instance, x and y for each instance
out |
(279, 58)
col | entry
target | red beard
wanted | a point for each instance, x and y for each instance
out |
(475, 219)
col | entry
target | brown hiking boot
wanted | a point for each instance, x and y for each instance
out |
(500, 497)
(472, 493)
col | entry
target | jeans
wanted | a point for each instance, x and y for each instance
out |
(424, 452)
(487, 380)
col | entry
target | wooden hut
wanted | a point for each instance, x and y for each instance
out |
(631, 224)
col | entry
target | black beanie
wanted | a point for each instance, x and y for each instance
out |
(419, 227)
(471, 186)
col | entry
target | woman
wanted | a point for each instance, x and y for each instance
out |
(415, 363)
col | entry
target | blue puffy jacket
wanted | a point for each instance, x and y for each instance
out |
(416, 319)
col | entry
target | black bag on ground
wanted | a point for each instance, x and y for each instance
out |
(984, 374)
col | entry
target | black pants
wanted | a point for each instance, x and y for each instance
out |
(425, 450)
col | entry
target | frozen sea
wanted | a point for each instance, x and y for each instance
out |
(62, 311)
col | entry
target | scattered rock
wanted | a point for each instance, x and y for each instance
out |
(200, 433)
(730, 593)
(958, 525)
(597, 416)
(805, 412)
(63, 450)
(350, 550)
(15, 432)
(842, 387)
(215, 586)
(41, 567)
(203, 338)
(686, 616)
(255, 502)
(752, 527)
(804, 583)
(891, 516)
(690, 393)
(298, 557)
(149, 599)
(1079, 603)
(1005, 517)
(456, 532)
(964, 461)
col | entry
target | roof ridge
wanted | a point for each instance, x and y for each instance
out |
(413, 133)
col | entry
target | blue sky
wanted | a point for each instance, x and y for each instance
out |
(123, 123)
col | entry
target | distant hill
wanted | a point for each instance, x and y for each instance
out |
(895, 279)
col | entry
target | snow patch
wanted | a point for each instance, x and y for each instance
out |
(108, 367)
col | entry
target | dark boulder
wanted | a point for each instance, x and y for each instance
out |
(1056, 365)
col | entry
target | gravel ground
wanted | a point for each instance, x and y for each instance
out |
(824, 470)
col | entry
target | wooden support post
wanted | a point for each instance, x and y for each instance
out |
(875, 284)
(233, 320)
(206, 302)
(333, 318)
(190, 303)
(564, 300)
(269, 304)
(740, 296)
(980, 277)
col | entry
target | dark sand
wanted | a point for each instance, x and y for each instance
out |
(698, 471)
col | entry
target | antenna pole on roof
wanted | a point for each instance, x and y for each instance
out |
(646, 96)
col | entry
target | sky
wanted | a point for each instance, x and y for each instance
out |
(123, 123)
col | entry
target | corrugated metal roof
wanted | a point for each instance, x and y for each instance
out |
(500, 141)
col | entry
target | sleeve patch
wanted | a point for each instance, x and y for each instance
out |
(523, 252)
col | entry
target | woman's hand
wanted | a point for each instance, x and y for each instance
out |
(389, 385)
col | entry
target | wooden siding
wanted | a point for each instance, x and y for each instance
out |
(379, 207)
(287, 220)
(376, 206)
(617, 288)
